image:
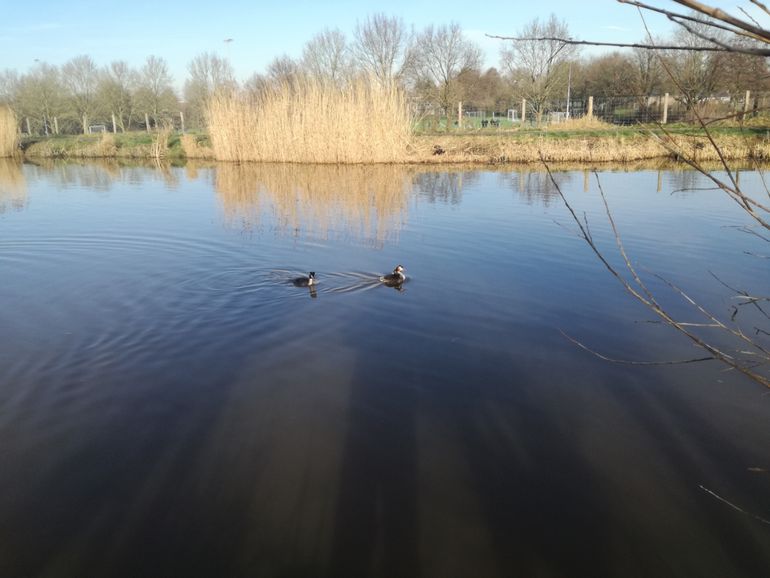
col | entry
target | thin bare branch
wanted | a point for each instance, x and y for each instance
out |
(733, 506)
(742, 293)
(722, 16)
(749, 16)
(572, 41)
(619, 243)
(747, 203)
(715, 352)
(755, 255)
(738, 25)
(628, 361)
(747, 230)
(737, 333)
(681, 18)
(760, 5)
(727, 47)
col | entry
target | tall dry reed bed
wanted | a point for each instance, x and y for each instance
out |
(312, 122)
(9, 134)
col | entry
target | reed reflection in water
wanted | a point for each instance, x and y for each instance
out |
(102, 174)
(13, 186)
(318, 201)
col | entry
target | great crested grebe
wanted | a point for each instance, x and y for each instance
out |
(395, 278)
(308, 281)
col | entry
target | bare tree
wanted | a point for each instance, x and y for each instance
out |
(325, 57)
(9, 86)
(117, 85)
(536, 61)
(40, 95)
(741, 72)
(609, 75)
(648, 73)
(209, 74)
(697, 72)
(281, 70)
(441, 54)
(382, 47)
(80, 77)
(486, 91)
(155, 94)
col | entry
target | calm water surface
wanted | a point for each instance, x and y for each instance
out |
(171, 405)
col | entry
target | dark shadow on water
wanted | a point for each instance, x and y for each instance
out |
(718, 463)
(376, 524)
(539, 501)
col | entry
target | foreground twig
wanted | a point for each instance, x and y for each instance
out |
(632, 362)
(642, 293)
(733, 506)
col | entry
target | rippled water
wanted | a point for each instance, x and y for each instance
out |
(171, 405)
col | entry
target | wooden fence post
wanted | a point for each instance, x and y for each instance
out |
(664, 120)
(114, 124)
(460, 115)
(147, 121)
(590, 113)
(523, 110)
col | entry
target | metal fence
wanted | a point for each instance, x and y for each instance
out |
(623, 110)
(616, 110)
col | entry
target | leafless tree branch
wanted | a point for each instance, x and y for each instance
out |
(584, 347)
(642, 294)
(572, 41)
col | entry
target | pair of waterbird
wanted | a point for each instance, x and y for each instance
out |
(393, 279)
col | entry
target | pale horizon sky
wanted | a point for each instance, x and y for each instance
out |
(54, 32)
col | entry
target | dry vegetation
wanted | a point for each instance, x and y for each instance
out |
(9, 134)
(574, 148)
(193, 149)
(361, 201)
(312, 122)
(159, 146)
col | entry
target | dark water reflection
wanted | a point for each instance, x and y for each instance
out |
(171, 405)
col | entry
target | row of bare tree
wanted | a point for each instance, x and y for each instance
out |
(438, 66)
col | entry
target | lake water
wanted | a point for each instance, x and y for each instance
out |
(171, 405)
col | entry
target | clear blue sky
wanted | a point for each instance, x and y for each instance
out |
(54, 31)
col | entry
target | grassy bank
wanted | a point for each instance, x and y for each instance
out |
(608, 148)
(573, 145)
(134, 145)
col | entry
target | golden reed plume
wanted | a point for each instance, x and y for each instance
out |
(312, 122)
(9, 133)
